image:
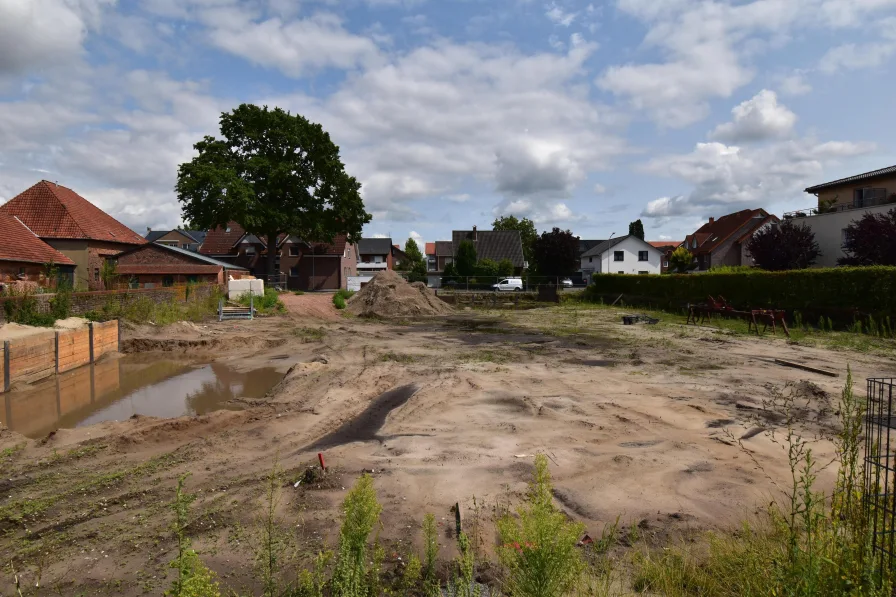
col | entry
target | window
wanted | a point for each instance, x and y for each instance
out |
(843, 237)
(694, 243)
(250, 250)
(294, 272)
(227, 229)
(167, 281)
(167, 243)
(293, 251)
(22, 272)
(642, 255)
(378, 259)
(665, 263)
(192, 279)
(868, 197)
(589, 259)
(619, 256)
(643, 273)
(620, 272)
(96, 274)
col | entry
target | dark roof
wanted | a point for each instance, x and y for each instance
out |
(54, 211)
(154, 235)
(18, 243)
(197, 236)
(714, 233)
(444, 248)
(856, 178)
(587, 245)
(493, 244)
(375, 246)
(398, 254)
(604, 245)
(167, 268)
(203, 259)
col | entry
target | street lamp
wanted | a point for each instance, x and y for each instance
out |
(608, 251)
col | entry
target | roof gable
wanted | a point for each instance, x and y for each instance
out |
(715, 232)
(184, 254)
(375, 246)
(18, 243)
(889, 170)
(53, 211)
(496, 245)
(444, 248)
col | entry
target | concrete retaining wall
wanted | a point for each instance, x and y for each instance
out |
(42, 355)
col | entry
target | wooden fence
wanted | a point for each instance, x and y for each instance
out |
(35, 357)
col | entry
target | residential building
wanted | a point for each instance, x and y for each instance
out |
(299, 264)
(667, 247)
(442, 253)
(840, 203)
(157, 264)
(184, 239)
(623, 255)
(429, 253)
(585, 245)
(375, 255)
(24, 258)
(496, 245)
(73, 226)
(723, 241)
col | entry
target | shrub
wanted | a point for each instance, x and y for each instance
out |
(341, 296)
(338, 301)
(539, 544)
(22, 307)
(362, 511)
(269, 302)
(870, 290)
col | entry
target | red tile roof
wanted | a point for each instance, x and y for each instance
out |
(54, 211)
(168, 268)
(430, 249)
(221, 241)
(715, 232)
(659, 244)
(17, 243)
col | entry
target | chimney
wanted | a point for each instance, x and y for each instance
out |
(148, 230)
(474, 232)
(711, 219)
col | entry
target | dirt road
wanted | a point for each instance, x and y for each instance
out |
(639, 422)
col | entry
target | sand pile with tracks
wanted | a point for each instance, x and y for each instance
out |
(389, 295)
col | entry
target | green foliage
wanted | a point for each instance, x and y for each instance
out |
(338, 302)
(61, 303)
(557, 253)
(865, 289)
(21, 306)
(487, 268)
(430, 556)
(298, 292)
(783, 246)
(466, 259)
(528, 236)
(271, 544)
(466, 564)
(341, 296)
(505, 268)
(538, 546)
(681, 260)
(871, 240)
(109, 273)
(410, 577)
(272, 172)
(142, 309)
(362, 512)
(449, 273)
(267, 303)
(193, 578)
(636, 228)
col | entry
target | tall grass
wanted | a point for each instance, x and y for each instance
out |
(143, 309)
(267, 303)
(193, 578)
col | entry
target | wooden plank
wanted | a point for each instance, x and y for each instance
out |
(796, 365)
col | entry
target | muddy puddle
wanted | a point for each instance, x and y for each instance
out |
(116, 389)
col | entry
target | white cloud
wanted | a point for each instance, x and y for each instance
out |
(294, 47)
(757, 119)
(542, 213)
(558, 16)
(599, 189)
(855, 56)
(458, 197)
(794, 84)
(418, 238)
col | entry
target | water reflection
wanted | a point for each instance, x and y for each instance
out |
(118, 388)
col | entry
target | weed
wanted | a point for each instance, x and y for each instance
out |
(271, 544)
(410, 576)
(396, 357)
(265, 304)
(9, 453)
(193, 578)
(310, 334)
(538, 546)
(362, 511)
(341, 296)
(430, 554)
(464, 585)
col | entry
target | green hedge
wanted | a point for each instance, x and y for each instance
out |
(868, 290)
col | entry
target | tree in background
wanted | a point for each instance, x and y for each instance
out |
(681, 260)
(871, 240)
(783, 246)
(415, 264)
(466, 259)
(505, 268)
(528, 235)
(636, 228)
(557, 253)
(273, 173)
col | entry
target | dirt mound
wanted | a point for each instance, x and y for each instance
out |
(389, 295)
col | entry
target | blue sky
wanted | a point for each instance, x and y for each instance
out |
(579, 114)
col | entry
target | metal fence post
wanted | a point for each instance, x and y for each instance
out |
(90, 334)
(57, 352)
(6, 365)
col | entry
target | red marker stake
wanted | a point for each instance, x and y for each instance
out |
(320, 457)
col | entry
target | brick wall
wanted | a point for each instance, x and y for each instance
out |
(82, 302)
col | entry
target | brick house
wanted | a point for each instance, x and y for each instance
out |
(667, 247)
(723, 242)
(303, 265)
(184, 239)
(73, 226)
(152, 265)
(26, 258)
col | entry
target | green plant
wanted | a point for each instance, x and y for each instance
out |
(21, 306)
(271, 543)
(338, 302)
(538, 545)
(340, 296)
(109, 273)
(362, 511)
(430, 556)
(466, 564)
(193, 578)
(267, 303)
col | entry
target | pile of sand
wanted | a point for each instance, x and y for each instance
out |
(389, 295)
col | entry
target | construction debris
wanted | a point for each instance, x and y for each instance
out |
(641, 318)
(389, 295)
(796, 365)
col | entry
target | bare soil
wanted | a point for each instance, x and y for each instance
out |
(667, 428)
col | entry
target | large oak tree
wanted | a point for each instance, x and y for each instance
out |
(273, 173)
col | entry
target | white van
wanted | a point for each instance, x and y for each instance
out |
(509, 284)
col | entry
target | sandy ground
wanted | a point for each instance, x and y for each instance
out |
(12, 331)
(639, 422)
(312, 305)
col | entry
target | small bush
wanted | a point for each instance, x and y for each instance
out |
(267, 303)
(341, 296)
(22, 307)
(362, 512)
(338, 302)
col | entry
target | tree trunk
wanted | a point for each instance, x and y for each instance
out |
(273, 250)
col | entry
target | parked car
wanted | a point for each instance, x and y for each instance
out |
(566, 282)
(508, 284)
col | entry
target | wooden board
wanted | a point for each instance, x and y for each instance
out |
(796, 365)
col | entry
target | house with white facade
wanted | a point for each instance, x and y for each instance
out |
(624, 255)
(840, 203)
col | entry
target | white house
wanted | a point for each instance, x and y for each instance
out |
(623, 255)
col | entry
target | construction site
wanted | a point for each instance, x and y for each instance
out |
(660, 431)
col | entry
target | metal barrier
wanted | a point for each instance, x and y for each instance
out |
(880, 468)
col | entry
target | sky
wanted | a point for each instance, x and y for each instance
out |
(579, 114)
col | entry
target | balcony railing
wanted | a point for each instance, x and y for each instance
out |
(815, 211)
(372, 265)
